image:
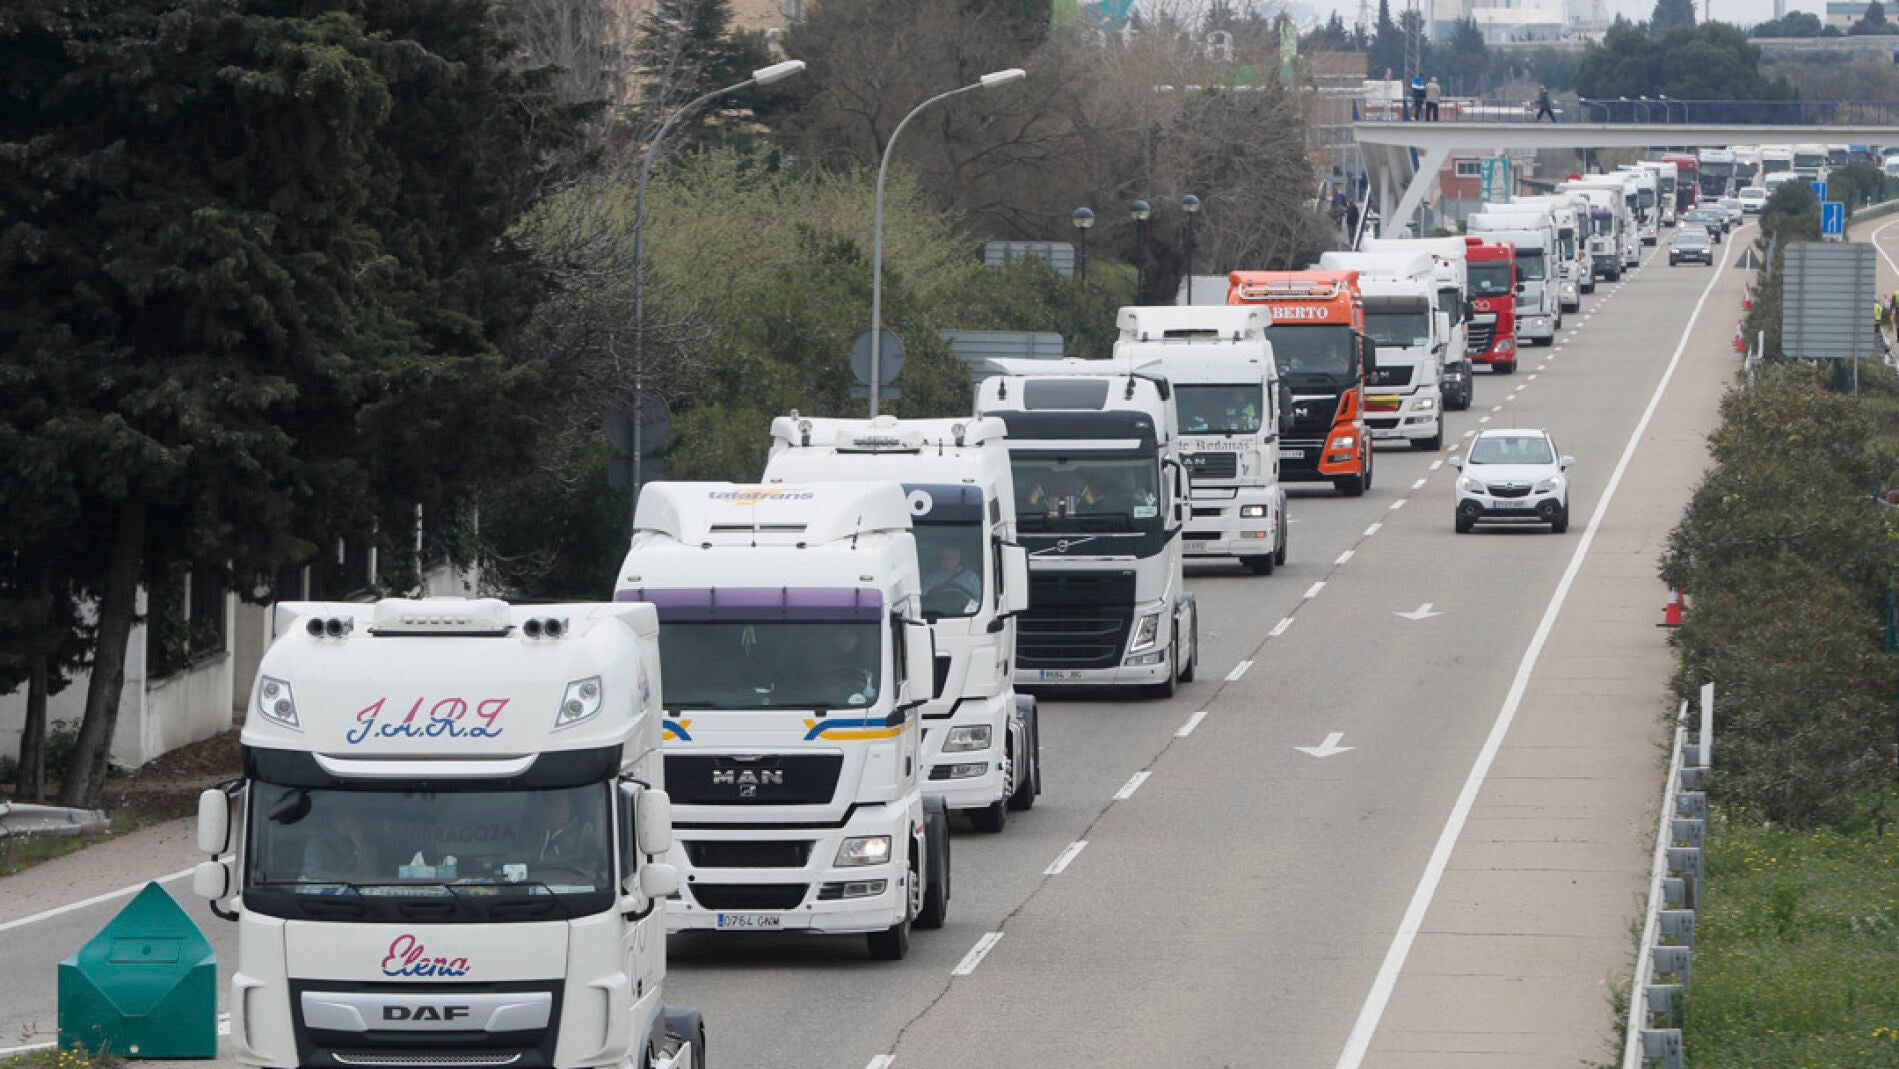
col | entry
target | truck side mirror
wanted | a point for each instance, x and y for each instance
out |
(652, 818)
(212, 880)
(920, 648)
(658, 880)
(214, 822)
(1285, 409)
(1015, 580)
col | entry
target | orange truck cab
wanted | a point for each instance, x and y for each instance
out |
(1323, 354)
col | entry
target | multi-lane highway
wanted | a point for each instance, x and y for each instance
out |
(1401, 819)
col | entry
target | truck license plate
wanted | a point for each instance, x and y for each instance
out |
(1298, 454)
(751, 921)
(1196, 547)
(1056, 674)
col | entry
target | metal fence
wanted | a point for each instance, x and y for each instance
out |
(1652, 111)
(1674, 893)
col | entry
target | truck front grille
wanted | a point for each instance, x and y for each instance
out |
(1398, 375)
(776, 779)
(1478, 337)
(1213, 465)
(764, 854)
(749, 895)
(483, 1060)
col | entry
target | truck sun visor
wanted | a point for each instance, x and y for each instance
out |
(760, 604)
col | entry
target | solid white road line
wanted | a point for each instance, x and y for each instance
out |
(1343, 557)
(1192, 722)
(84, 902)
(977, 953)
(1313, 590)
(881, 1061)
(1238, 671)
(8, 1052)
(1133, 784)
(1373, 529)
(1068, 854)
(1359, 1042)
(1278, 630)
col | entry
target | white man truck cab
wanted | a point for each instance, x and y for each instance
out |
(1532, 229)
(981, 740)
(1450, 272)
(1228, 398)
(1648, 200)
(1101, 501)
(793, 638)
(1404, 393)
(446, 845)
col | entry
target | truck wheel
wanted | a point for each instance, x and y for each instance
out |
(992, 818)
(1279, 555)
(936, 888)
(1029, 777)
(1259, 565)
(687, 1025)
(1433, 443)
(1193, 659)
(1166, 689)
(893, 943)
(1505, 367)
(1350, 486)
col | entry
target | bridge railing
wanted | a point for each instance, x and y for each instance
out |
(1650, 111)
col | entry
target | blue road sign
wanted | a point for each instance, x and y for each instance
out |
(1819, 191)
(1832, 219)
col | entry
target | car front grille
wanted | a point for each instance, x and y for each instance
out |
(1508, 490)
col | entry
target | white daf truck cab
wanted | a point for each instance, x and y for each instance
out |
(1533, 232)
(446, 846)
(981, 739)
(1404, 394)
(1228, 399)
(1101, 503)
(793, 637)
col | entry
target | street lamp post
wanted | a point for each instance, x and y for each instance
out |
(777, 72)
(1191, 205)
(1083, 220)
(1139, 211)
(992, 80)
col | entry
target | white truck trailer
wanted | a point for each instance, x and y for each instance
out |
(796, 655)
(1101, 501)
(1533, 232)
(446, 845)
(1227, 395)
(981, 740)
(1404, 394)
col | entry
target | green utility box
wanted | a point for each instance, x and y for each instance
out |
(145, 987)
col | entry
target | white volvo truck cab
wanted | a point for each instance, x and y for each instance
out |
(1539, 267)
(1228, 399)
(1101, 500)
(1404, 394)
(797, 657)
(446, 846)
(981, 740)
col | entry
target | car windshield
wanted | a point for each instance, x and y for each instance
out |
(1489, 280)
(1692, 237)
(1511, 449)
(1218, 409)
(1317, 350)
(951, 556)
(801, 664)
(1400, 327)
(1085, 493)
(415, 843)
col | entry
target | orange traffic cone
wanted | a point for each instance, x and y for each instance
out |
(1747, 298)
(1740, 339)
(1671, 612)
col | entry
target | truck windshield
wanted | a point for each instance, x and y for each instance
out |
(805, 664)
(951, 556)
(1399, 327)
(1313, 350)
(1490, 279)
(1529, 264)
(1078, 492)
(406, 844)
(1218, 409)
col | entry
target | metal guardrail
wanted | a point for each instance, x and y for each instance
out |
(1674, 893)
(1648, 111)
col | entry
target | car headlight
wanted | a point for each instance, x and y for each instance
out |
(275, 702)
(1341, 441)
(1252, 512)
(863, 850)
(1426, 404)
(1469, 485)
(1550, 485)
(1145, 632)
(966, 738)
(581, 701)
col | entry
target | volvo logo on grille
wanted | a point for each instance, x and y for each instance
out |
(425, 1012)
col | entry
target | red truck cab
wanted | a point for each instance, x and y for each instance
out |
(1491, 333)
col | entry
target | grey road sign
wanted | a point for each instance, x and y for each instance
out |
(976, 347)
(655, 422)
(1059, 254)
(890, 361)
(1827, 306)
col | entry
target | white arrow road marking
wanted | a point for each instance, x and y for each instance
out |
(1068, 854)
(1327, 748)
(1313, 590)
(977, 953)
(1422, 612)
(1133, 784)
(1343, 557)
(1192, 722)
(1238, 671)
(1278, 629)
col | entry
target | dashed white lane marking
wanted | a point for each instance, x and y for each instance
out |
(1192, 722)
(1373, 529)
(1436, 464)
(1239, 670)
(1520, 389)
(1313, 590)
(976, 954)
(1470, 434)
(1343, 557)
(82, 904)
(1496, 408)
(1070, 852)
(1484, 419)
(1133, 784)
(1419, 485)
(1533, 374)
(881, 1061)
(1278, 630)
(1398, 504)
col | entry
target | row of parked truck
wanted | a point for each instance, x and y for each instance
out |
(465, 827)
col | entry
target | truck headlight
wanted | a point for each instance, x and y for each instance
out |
(863, 850)
(1252, 512)
(275, 702)
(1550, 485)
(967, 738)
(1146, 630)
(1341, 441)
(581, 701)
(1425, 404)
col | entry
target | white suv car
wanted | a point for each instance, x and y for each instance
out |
(1513, 475)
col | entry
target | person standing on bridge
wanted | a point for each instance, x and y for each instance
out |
(1417, 96)
(1543, 104)
(1433, 93)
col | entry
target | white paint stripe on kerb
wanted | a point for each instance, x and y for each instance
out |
(1313, 590)
(1343, 557)
(8, 1052)
(1133, 784)
(1369, 1014)
(1068, 854)
(85, 902)
(976, 954)
(1192, 722)
(1238, 671)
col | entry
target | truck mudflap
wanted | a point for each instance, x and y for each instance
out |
(677, 1041)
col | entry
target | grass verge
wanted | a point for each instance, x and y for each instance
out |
(54, 1058)
(1796, 962)
(21, 852)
